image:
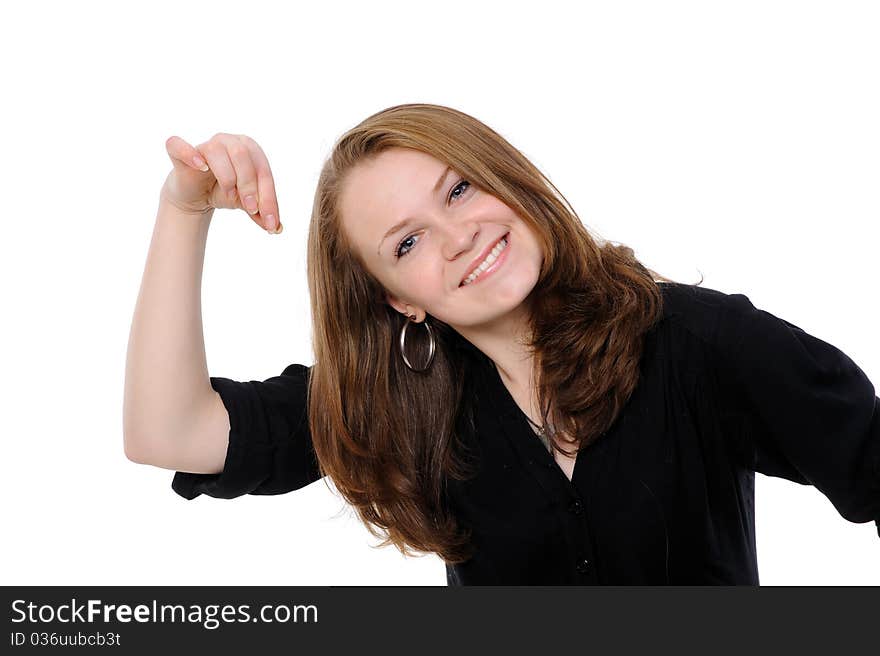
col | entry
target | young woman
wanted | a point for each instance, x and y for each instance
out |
(490, 383)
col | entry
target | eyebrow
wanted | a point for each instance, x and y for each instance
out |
(406, 222)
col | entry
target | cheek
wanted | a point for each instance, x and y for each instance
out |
(495, 206)
(417, 283)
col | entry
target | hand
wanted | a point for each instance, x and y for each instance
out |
(232, 172)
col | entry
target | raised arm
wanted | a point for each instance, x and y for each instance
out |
(172, 417)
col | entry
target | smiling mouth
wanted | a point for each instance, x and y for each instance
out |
(470, 278)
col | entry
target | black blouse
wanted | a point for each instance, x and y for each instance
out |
(666, 496)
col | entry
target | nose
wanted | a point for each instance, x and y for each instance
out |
(460, 237)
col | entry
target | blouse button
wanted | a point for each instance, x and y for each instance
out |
(576, 507)
(583, 566)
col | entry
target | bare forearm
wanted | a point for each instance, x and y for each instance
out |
(166, 372)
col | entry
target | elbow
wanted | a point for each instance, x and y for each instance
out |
(862, 506)
(135, 450)
(131, 453)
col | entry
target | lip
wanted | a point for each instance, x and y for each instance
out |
(482, 256)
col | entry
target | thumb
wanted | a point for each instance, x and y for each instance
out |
(183, 154)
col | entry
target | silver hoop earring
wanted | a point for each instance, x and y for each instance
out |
(430, 347)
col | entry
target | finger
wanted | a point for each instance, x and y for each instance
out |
(246, 177)
(268, 204)
(180, 150)
(268, 200)
(214, 152)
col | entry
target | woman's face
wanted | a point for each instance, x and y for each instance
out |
(451, 227)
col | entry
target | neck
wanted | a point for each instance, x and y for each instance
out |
(504, 342)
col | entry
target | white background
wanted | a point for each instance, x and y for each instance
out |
(737, 139)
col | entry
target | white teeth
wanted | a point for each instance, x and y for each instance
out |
(485, 264)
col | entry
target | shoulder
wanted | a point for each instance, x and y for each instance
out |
(724, 326)
(737, 330)
(705, 313)
(297, 369)
(689, 301)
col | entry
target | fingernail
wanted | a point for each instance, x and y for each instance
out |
(279, 229)
(250, 204)
(200, 163)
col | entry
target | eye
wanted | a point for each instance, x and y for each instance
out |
(401, 250)
(452, 195)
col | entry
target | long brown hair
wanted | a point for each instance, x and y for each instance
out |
(388, 436)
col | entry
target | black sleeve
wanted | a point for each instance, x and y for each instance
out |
(270, 447)
(814, 415)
